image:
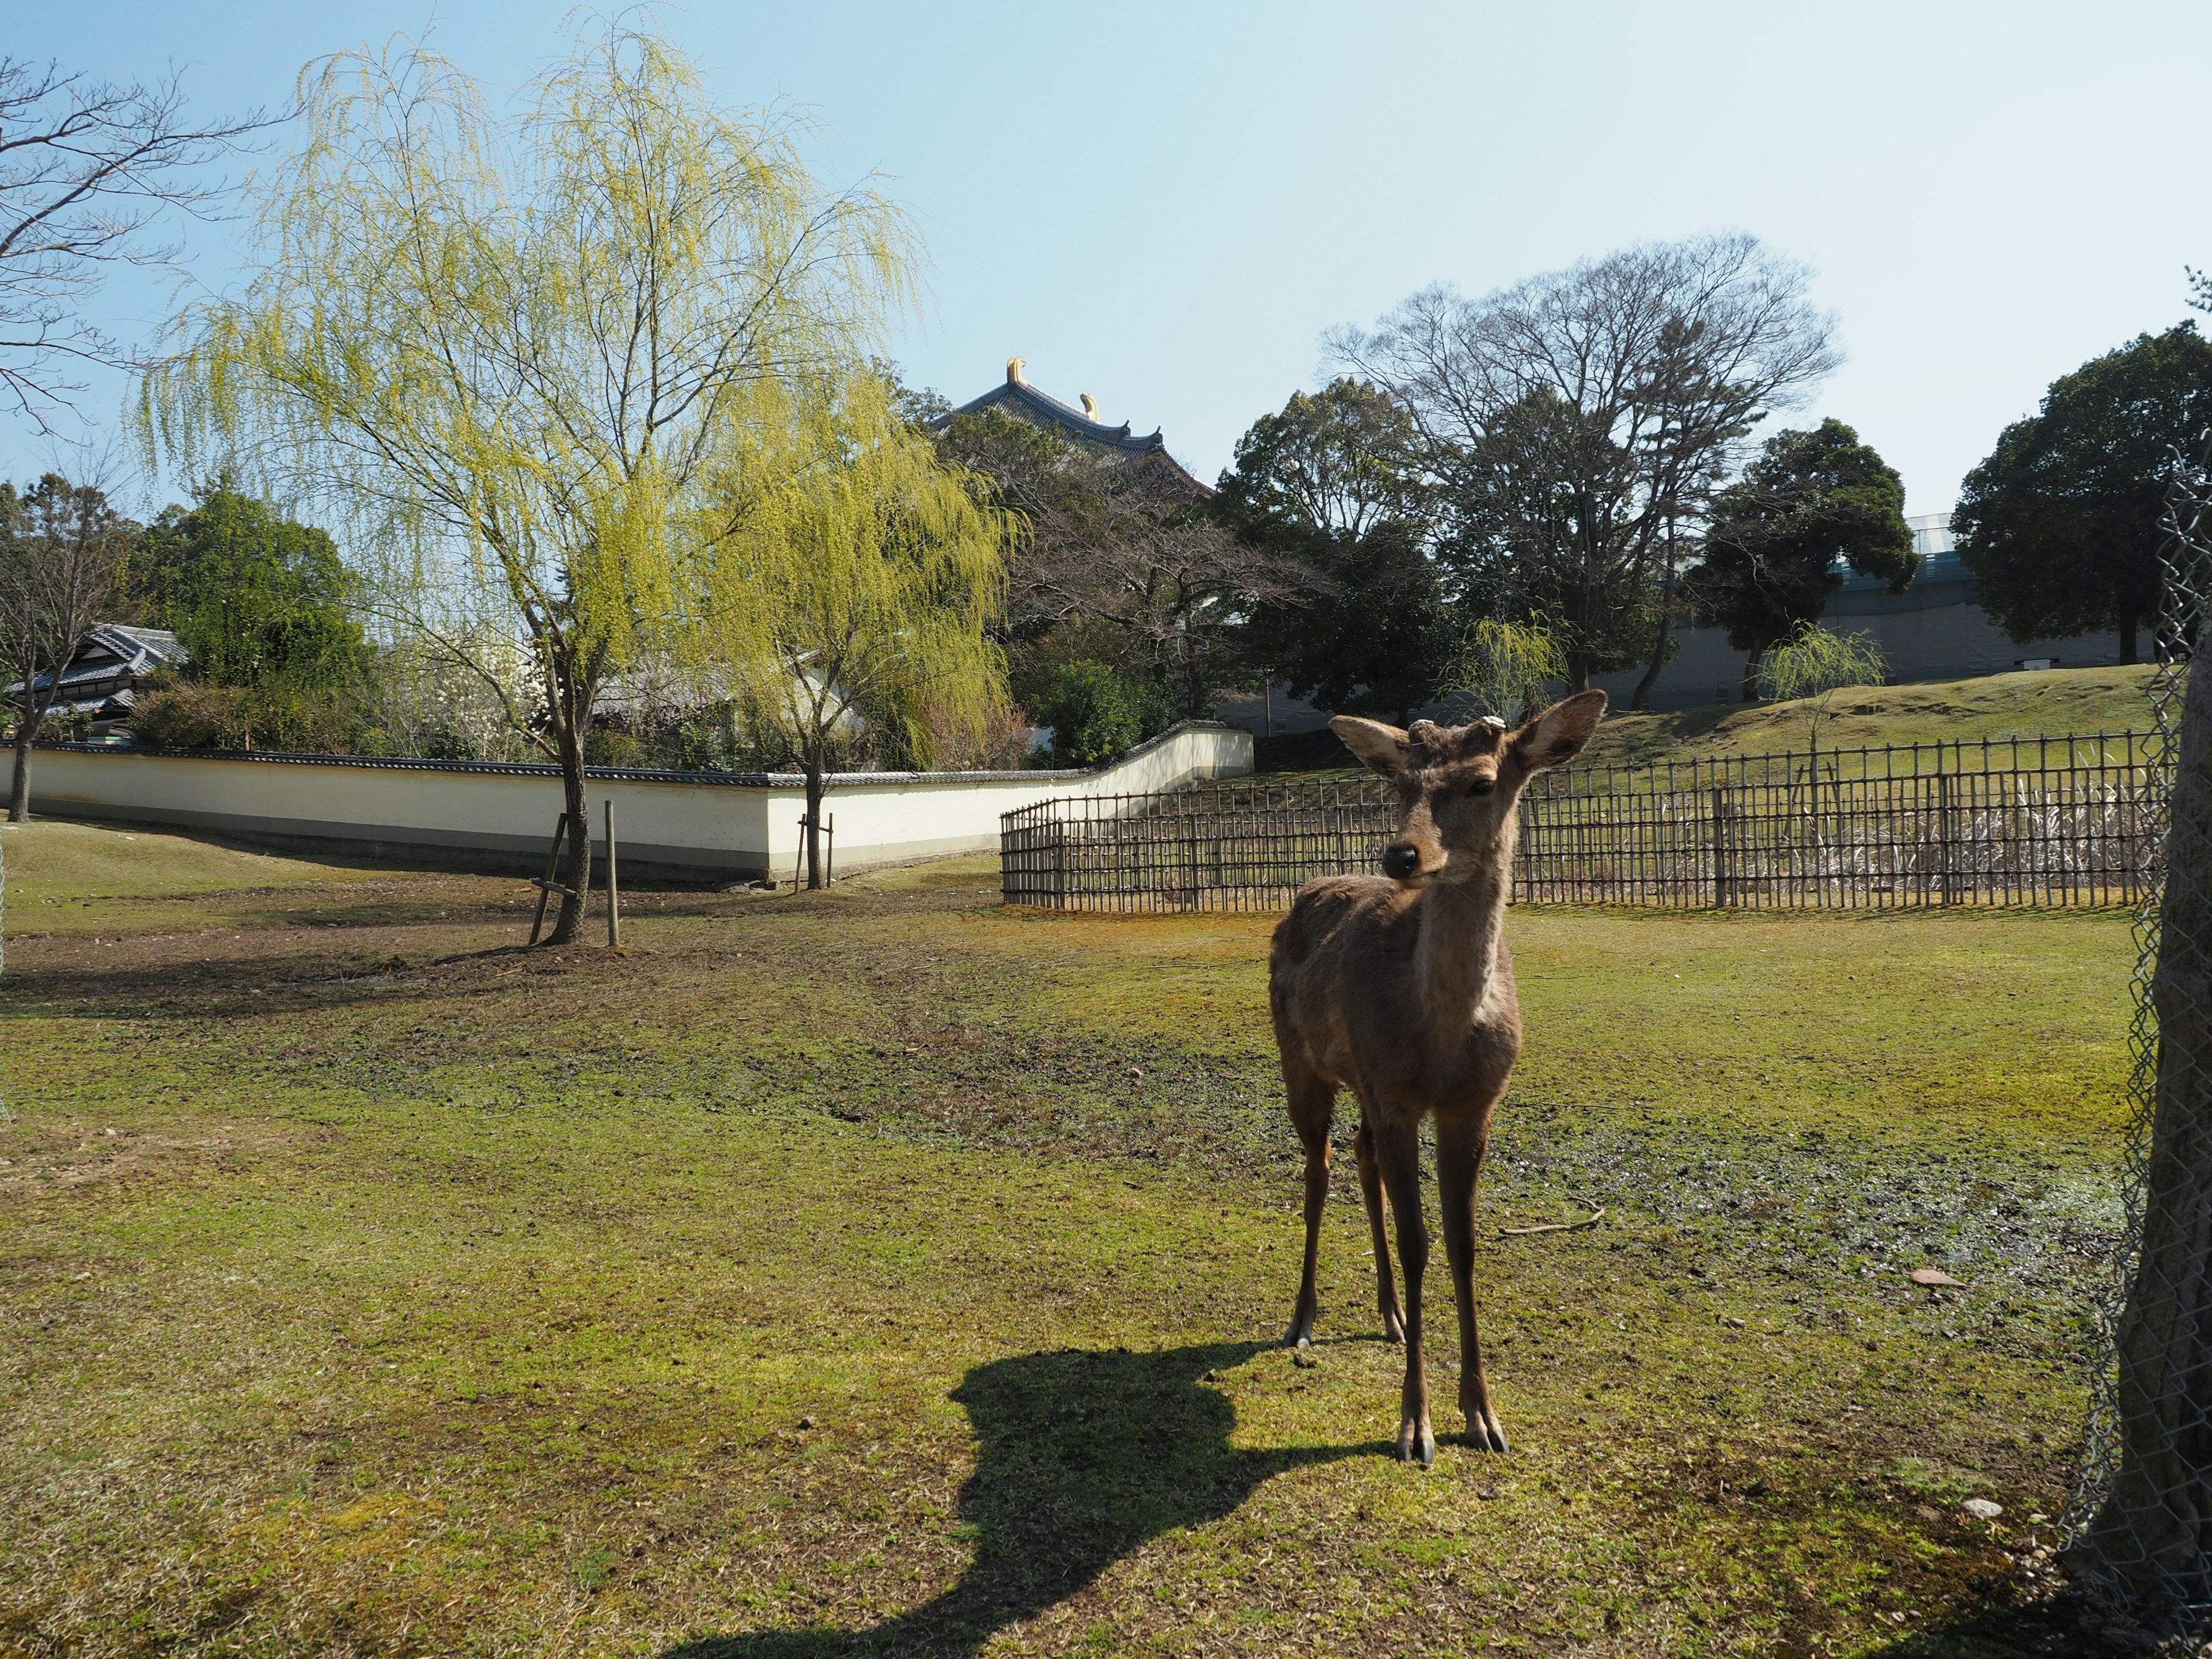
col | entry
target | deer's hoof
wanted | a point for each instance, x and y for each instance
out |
(1484, 1435)
(1300, 1335)
(1415, 1442)
(1394, 1329)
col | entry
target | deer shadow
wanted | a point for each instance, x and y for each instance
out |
(1082, 1455)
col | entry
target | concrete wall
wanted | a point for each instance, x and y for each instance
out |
(1936, 630)
(675, 824)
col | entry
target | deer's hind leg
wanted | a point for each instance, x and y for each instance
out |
(1313, 1108)
(1370, 1194)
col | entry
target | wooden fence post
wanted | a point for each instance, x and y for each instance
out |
(1945, 830)
(1720, 847)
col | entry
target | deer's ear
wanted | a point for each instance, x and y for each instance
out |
(1557, 736)
(1382, 747)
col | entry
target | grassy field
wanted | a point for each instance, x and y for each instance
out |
(887, 1272)
(2050, 702)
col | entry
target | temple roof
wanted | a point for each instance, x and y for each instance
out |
(1017, 397)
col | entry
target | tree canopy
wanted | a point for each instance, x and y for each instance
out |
(88, 168)
(1574, 423)
(1810, 500)
(2060, 526)
(506, 355)
(258, 599)
(62, 549)
(859, 578)
(1334, 484)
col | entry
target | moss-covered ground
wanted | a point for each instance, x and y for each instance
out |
(887, 1272)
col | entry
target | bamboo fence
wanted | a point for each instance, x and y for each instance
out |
(2049, 821)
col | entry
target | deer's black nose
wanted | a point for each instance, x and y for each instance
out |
(1400, 860)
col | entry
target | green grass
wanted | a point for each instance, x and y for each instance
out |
(2052, 702)
(2049, 702)
(885, 1271)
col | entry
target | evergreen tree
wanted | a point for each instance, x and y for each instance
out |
(1810, 500)
(2060, 525)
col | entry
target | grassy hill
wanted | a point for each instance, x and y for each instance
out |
(2050, 703)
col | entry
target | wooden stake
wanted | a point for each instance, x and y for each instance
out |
(614, 889)
(545, 885)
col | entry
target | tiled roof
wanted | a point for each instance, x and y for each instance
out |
(112, 657)
(1023, 401)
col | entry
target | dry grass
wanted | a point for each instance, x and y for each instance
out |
(885, 1271)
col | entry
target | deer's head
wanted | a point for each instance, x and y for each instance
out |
(1457, 785)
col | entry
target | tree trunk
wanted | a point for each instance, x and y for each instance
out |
(1751, 674)
(813, 821)
(18, 791)
(2127, 637)
(1640, 701)
(2152, 1540)
(576, 874)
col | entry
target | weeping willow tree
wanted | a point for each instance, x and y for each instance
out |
(1813, 663)
(858, 578)
(506, 355)
(1504, 668)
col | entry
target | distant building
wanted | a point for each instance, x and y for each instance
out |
(1018, 400)
(1936, 630)
(111, 665)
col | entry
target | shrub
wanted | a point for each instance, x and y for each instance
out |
(190, 715)
(1092, 714)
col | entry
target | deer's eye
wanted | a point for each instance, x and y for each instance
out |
(1482, 785)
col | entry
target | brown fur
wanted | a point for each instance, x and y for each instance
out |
(1401, 991)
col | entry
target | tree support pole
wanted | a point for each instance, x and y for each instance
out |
(614, 889)
(546, 885)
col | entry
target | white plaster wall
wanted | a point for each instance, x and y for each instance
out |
(505, 816)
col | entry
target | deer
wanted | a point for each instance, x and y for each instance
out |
(1400, 988)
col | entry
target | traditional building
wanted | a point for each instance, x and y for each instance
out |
(1017, 399)
(112, 663)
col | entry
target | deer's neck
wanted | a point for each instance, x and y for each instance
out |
(1455, 961)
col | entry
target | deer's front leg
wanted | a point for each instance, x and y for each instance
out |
(1462, 1139)
(1398, 1150)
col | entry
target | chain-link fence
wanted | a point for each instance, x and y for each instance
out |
(2140, 1526)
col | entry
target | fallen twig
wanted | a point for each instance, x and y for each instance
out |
(1587, 1221)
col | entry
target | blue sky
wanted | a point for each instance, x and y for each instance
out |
(1165, 205)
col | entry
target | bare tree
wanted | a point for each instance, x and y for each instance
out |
(62, 549)
(87, 169)
(1132, 548)
(1577, 423)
